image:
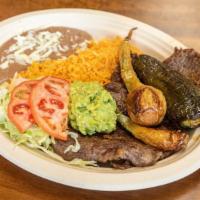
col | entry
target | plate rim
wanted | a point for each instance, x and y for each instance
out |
(106, 186)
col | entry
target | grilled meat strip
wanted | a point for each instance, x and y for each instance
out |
(186, 62)
(118, 149)
(118, 90)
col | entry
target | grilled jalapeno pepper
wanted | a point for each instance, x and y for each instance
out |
(146, 105)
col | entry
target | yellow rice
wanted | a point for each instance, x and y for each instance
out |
(95, 63)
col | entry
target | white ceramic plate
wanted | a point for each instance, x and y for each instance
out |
(100, 24)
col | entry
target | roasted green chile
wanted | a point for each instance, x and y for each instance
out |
(182, 96)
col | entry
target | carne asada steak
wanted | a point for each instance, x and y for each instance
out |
(186, 62)
(118, 90)
(118, 149)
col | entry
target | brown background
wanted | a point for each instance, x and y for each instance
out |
(181, 19)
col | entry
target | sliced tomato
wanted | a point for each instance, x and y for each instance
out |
(19, 111)
(49, 106)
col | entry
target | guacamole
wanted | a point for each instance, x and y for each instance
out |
(92, 109)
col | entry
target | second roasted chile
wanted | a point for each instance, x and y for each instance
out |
(182, 95)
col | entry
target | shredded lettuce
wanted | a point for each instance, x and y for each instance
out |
(34, 137)
(4, 99)
(76, 147)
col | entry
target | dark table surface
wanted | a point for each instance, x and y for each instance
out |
(181, 19)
